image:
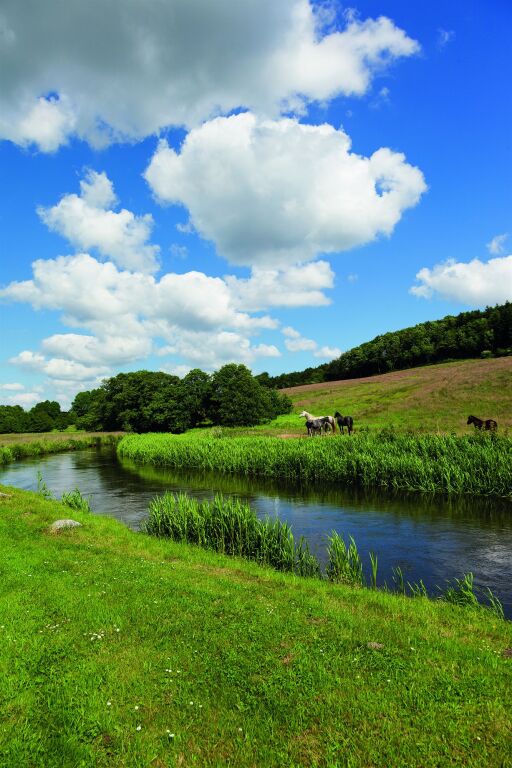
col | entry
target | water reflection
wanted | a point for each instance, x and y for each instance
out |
(433, 538)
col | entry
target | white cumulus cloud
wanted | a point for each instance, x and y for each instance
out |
(274, 193)
(86, 221)
(125, 69)
(476, 282)
(295, 286)
(295, 342)
(25, 399)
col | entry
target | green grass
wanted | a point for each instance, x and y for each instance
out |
(429, 399)
(475, 464)
(37, 446)
(111, 641)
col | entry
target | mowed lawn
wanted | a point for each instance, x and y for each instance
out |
(434, 398)
(122, 650)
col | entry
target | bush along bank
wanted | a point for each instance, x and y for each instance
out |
(13, 452)
(231, 527)
(479, 464)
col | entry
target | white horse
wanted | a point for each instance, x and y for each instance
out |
(322, 423)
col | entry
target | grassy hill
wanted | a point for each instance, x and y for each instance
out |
(435, 398)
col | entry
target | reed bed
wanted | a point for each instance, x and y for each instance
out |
(479, 464)
(15, 451)
(231, 527)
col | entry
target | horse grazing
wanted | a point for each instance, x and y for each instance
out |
(324, 422)
(481, 424)
(344, 421)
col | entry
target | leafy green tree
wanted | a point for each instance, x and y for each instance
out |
(196, 394)
(236, 398)
(45, 416)
(86, 410)
(13, 419)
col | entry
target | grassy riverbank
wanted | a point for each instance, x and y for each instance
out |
(476, 464)
(14, 447)
(123, 650)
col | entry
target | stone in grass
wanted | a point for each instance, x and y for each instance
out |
(59, 525)
(5, 495)
(375, 646)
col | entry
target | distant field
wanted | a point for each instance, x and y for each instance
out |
(435, 398)
(30, 437)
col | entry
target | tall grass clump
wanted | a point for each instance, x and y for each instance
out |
(76, 500)
(344, 563)
(230, 526)
(462, 592)
(479, 464)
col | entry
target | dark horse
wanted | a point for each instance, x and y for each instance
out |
(344, 421)
(481, 424)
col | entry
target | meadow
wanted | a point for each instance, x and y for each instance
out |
(475, 464)
(430, 399)
(120, 649)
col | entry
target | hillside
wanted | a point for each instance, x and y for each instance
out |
(430, 398)
(469, 335)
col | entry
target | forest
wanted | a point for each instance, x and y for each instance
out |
(480, 333)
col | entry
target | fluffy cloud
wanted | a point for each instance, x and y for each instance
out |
(125, 69)
(196, 315)
(275, 193)
(327, 353)
(296, 286)
(210, 350)
(87, 223)
(192, 301)
(57, 368)
(476, 283)
(295, 342)
(11, 387)
(93, 351)
(47, 123)
(25, 399)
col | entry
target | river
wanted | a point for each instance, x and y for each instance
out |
(433, 538)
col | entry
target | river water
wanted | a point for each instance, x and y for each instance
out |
(433, 538)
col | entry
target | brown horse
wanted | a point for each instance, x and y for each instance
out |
(481, 424)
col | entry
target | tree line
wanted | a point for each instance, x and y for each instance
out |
(480, 333)
(43, 417)
(149, 401)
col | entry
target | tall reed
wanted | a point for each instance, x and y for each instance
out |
(477, 464)
(230, 526)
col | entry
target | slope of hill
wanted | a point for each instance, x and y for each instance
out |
(430, 398)
(477, 334)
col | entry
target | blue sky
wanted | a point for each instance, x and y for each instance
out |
(185, 184)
